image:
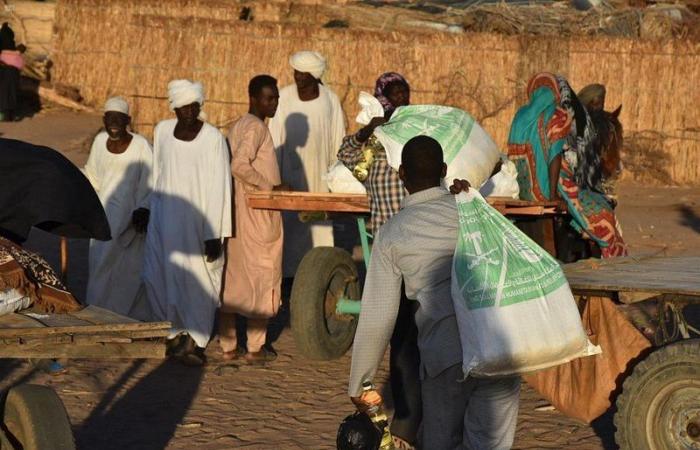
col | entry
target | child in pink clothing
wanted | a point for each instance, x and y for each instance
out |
(12, 58)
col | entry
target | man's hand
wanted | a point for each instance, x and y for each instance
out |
(368, 129)
(139, 219)
(459, 186)
(367, 400)
(212, 249)
(282, 187)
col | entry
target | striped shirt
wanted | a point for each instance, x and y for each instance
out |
(383, 184)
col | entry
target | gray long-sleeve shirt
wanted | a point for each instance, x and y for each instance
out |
(415, 246)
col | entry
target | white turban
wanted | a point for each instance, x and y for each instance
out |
(117, 104)
(310, 62)
(184, 92)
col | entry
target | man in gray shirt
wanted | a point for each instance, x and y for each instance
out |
(416, 247)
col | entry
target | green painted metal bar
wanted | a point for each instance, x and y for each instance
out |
(348, 306)
(364, 239)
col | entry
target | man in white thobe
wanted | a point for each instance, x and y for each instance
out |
(190, 216)
(119, 168)
(307, 131)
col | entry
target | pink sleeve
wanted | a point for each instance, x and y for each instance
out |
(244, 150)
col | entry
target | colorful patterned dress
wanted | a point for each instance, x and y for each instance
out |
(545, 128)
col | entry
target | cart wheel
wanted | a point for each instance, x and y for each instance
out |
(324, 275)
(36, 419)
(659, 408)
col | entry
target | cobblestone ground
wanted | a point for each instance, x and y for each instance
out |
(293, 403)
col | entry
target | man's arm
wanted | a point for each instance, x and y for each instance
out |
(380, 306)
(244, 153)
(350, 153)
(217, 208)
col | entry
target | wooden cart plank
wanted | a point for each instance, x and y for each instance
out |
(359, 203)
(98, 316)
(133, 350)
(653, 275)
(89, 329)
(9, 321)
(57, 320)
(68, 339)
(305, 201)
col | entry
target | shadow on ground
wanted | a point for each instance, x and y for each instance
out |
(147, 415)
(689, 218)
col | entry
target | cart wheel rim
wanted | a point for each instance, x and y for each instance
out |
(335, 323)
(677, 410)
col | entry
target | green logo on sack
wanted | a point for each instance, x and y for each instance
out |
(498, 265)
(451, 127)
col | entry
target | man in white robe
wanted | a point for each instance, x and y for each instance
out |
(307, 131)
(119, 168)
(190, 216)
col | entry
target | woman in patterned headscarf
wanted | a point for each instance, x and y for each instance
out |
(553, 144)
(383, 184)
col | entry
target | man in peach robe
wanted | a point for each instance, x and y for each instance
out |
(254, 254)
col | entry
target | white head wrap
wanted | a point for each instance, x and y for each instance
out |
(310, 62)
(184, 92)
(117, 104)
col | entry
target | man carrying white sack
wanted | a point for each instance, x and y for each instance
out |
(416, 246)
(307, 131)
(119, 169)
(190, 216)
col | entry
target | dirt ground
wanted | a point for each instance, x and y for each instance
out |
(293, 403)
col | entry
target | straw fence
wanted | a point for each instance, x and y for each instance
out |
(134, 47)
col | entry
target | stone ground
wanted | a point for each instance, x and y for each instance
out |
(293, 403)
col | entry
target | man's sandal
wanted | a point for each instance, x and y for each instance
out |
(233, 355)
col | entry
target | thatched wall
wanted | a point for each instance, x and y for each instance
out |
(134, 47)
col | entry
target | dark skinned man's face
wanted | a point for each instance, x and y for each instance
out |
(266, 102)
(304, 79)
(398, 94)
(188, 114)
(115, 123)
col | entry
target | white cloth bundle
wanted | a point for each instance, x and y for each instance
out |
(340, 179)
(504, 183)
(369, 108)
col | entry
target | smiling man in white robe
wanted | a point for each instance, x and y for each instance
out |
(190, 216)
(119, 168)
(307, 131)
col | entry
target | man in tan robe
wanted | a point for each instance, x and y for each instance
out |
(254, 254)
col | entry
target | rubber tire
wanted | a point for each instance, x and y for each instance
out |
(307, 303)
(676, 361)
(35, 416)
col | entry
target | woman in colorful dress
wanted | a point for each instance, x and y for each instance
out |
(556, 149)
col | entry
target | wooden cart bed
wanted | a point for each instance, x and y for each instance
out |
(677, 276)
(359, 203)
(89, 333)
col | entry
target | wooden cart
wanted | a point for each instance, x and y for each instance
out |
(91, 332)
(327, 285)
(33, 416)
(659, 407)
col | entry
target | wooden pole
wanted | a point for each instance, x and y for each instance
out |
(64, 260)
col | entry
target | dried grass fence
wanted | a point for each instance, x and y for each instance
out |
(134, 47)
